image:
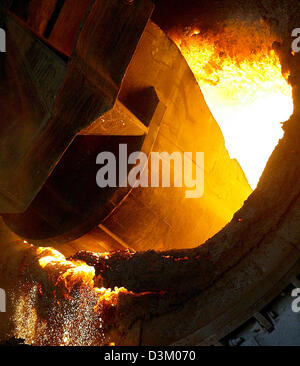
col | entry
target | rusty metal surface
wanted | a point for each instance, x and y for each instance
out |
(49, 99)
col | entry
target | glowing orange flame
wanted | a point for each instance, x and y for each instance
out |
(109, 296)
(242, 82)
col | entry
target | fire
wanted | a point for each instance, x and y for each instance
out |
(241, 79)
(72, 272)
(59, 303)
(52, 256)
(109, 296)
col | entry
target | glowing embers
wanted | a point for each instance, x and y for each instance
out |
(242, 82)
(69, 273)
(58, 303)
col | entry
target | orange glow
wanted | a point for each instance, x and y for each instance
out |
(242, 82)
(77, 308)
(49, 256)
(72, 272)
(109, 296)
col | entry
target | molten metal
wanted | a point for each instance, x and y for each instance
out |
(59, 304)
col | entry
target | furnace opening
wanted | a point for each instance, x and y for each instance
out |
(244, 86)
